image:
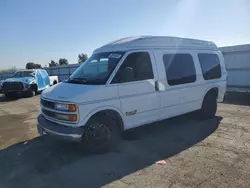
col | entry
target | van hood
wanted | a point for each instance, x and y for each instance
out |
(76, 93)
(27, 80)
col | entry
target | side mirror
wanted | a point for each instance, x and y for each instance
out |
(127, 75)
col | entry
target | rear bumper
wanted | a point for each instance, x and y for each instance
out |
(60, 131)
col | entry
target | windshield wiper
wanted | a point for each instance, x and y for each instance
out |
(77, 80)
(84, 81)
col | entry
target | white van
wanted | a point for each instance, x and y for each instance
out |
(131, 82)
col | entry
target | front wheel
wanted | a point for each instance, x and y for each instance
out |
(209, 106)
(100, 135)
(30, 93)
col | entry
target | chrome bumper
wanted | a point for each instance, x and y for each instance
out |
(60, 131)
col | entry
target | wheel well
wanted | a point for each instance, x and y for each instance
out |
(55, 82)
(112, 114)
(33, 87)
(214, 91)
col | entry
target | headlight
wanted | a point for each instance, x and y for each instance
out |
(65, 107)
(66, 117)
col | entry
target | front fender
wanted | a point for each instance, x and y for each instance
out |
(99, 109)
(29, 83)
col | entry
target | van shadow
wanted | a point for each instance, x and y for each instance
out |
(237, 98)
(45, 162)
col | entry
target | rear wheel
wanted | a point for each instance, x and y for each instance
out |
(100, 135)
(209, 106)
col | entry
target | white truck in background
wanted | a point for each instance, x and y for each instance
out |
(53, 80)
(237, 60)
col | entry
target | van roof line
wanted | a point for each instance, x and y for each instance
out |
(129, 43)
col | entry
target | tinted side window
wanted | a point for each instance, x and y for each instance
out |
(210, 65)
(180, 68)
(141, 65)
(27, 73)
(17, 74)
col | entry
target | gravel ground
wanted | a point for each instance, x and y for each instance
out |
(179, 152)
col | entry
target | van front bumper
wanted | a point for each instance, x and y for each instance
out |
(60, 131)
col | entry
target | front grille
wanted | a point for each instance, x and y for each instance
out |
(48, 113)
(12, 86)
(48, 108)
(47, 104)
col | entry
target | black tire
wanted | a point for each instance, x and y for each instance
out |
(34, 89)
(209, 106)
(100, 135)
(30, 93)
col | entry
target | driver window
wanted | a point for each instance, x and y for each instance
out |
(17, 74)
(27, 73)
(137, 66)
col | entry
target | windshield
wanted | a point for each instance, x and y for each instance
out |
(23, 74)
(97, 69)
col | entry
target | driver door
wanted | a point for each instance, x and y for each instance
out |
(139, 98)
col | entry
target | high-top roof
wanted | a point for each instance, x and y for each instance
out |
(139, 42)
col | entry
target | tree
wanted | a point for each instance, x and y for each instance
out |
(82, 57)
(38, 66)
(63, 61)
(31, 65)
(53, 64)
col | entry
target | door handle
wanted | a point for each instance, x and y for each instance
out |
(156, 86)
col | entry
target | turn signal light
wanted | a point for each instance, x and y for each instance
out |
(72, 107)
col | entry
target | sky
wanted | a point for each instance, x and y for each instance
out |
(41, 31)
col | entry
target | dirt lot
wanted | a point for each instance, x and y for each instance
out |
(193, 153)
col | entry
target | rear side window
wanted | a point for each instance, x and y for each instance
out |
(180, 68)
(210, 65)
